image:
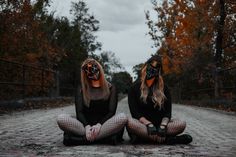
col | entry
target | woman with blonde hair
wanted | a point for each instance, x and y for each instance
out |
(150, 106)
(95, 110)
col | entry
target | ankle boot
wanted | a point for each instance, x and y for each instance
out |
(133, 138)
(73, 140)
(111, 140)
(181, 139)
(114, 140)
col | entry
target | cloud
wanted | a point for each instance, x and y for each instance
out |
(122, 27)
(131, 46)
(114, 15)
(118, 15)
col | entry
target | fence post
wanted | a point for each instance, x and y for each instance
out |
(23, 81)
(216, 84)
(57, 79)
(42, 82)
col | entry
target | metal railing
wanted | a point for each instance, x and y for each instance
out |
(227, 87)
(18, 81)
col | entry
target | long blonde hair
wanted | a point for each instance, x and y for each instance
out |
(158, 95)
(86, 87)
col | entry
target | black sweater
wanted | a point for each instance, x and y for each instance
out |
(140, 109)
(98, 111)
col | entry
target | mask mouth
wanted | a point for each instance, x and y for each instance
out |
(152, 72)
(92, 71)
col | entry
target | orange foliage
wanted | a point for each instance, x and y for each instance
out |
(23, 38)
(189, 30)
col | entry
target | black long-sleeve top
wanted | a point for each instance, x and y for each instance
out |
(140, 109)
(98, 111)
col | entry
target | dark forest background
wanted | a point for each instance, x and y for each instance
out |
(41, 54)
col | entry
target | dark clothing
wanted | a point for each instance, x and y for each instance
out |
(140, 109)
(98, 111)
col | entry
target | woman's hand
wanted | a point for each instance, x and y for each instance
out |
(92, 131)
(151, 129)
(88, 133)
(144, 121)
(162, 129)
(95, 130)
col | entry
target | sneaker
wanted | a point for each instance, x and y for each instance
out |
(181, 139)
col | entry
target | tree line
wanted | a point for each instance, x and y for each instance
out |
(30, 34)
(197, 40)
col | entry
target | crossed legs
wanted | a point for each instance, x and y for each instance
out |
(117, 123)
(174, 128)
(110, 127)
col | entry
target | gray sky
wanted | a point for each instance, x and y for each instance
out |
(122, 27)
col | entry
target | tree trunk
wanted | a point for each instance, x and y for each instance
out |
(77, 62)
(219, 43)
(77, 82)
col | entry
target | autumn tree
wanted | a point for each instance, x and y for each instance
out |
(195, 38)
(23, 40)
(21, 37)
(30, 34)
(75, 38)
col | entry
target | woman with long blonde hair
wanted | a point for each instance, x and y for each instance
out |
(95, 111)
(150, 106)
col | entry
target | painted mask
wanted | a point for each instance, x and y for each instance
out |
(92, 71)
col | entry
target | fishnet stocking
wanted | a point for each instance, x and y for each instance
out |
(174, 127)
(110, 127)
(113, 125)
(139, 129)
(69, 124)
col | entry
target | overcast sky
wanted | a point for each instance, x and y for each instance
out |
(122, 27)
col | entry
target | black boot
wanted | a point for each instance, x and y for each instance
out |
(181, 139)
(120, 135)
(74, 140)
(111, 140)
(135, 139)
(115, 138)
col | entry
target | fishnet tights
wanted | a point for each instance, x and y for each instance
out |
(110, 127)
(174, 127)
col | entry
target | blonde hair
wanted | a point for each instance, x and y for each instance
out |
(158, 96)
(86, 88)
